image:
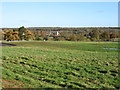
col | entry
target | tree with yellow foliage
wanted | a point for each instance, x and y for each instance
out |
(28, 35)
(15, 35)
(8, 35)
(11, 35)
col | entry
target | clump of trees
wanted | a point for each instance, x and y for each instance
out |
(20, 34)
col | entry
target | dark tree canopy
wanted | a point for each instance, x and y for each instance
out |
(22, 32)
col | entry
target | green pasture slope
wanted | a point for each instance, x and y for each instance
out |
(60, 64)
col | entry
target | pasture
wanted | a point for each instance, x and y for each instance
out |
(60, 64)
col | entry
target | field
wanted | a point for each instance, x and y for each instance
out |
(60, 64)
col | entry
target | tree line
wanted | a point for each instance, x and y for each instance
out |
(86, 35)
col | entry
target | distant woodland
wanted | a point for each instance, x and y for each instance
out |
(60, 34)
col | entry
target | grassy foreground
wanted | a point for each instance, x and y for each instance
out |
(60, 64)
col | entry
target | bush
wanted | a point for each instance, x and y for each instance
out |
(39, 38)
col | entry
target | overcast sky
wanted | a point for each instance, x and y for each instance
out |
(59, 14)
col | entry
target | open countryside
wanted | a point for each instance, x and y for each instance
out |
(60, 58)
(63, 64)
(66, 45)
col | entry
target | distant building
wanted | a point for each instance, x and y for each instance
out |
(53, 34)
(57, 33)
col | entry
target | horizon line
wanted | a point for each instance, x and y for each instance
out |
(65, 27)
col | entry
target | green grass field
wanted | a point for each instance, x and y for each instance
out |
(60, 64)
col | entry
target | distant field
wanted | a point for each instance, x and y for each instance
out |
(60, 64)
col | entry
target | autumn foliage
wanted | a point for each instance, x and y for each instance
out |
(20, 34)
(61, 34)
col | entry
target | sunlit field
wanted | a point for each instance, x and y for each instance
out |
(60, 64)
